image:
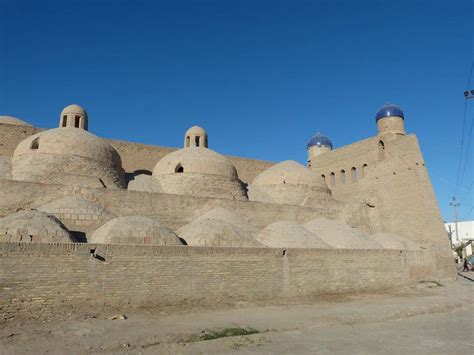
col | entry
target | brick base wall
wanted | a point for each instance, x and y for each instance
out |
(44, 278)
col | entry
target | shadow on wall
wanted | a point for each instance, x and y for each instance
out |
(131, 176)
(78, 237)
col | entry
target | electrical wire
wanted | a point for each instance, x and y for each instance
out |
(460, 175)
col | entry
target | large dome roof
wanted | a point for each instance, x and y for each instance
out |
(289, 172)
(67, 206)
(393, 241)
(220, 227)
(216, 233)
(134, 230)
(69, 141)
(195, 160)
(13, 121)
(68, 156)
(340, 235)
(319, 140)
(33, 226)
(289, 234)
(389, 110)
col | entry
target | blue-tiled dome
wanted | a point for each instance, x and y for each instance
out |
(319, 140)
(388, 110)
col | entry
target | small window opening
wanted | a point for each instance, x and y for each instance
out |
(187, 141)
(364, 170)
(197, 141)
(179, 169)
(381, 150)
(343, 177)
(333, 179)
(35, 143)
(76, 124)
(354, 176)
(64, 124)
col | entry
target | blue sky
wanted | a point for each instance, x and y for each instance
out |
(260, 76)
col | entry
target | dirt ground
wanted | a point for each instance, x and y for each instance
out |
(428, 318)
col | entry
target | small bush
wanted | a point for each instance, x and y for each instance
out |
(224, 333)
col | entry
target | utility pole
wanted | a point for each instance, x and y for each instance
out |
(455, 205)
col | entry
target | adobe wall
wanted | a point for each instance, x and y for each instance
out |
(11, 135)
(48, 278)
(135, 157)
(396, 187)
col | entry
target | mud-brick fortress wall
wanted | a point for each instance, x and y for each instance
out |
(391, 178)
(48, 277)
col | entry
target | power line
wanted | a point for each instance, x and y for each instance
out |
(458, 178)
(468, 150)
(468, 213)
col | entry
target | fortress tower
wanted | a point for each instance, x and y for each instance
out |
(317, 145)
(390, 120)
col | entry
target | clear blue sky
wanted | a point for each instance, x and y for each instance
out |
(260, 76)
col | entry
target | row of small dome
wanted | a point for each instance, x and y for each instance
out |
(216, 228)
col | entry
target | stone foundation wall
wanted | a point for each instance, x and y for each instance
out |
(44, 278)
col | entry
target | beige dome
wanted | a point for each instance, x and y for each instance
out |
(68, 156)
(340, 235)
(393, 241)
(289, 234)
(197, 172)
(216, 233)
(195, 137)
(289, 183)
(33, 226)
(224, 215)
(68, 206)
(196, 131)
(75, 109)
(74, 116)
(289, 172)
(195, 160)
(13, 121)
(134, 230)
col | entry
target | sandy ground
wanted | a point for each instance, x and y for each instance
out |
(424, 319)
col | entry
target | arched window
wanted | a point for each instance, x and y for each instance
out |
(381, 150)
(187, 141)
(364, 170)
(333, 179)
(35, 143)
(324, 177)
(64, 123)
(343, 177)
(354, 176)
(179, 169)
(76, 123)
(197, 140)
